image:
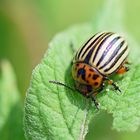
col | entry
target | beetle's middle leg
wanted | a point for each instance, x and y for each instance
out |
(122, 70)
(111, 82)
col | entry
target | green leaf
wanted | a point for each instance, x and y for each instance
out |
(53, 112)
(10, 105)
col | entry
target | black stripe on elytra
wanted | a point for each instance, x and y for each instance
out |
(116, 51)
(118, 66)
(86, 60)
(91, 45)
(107, 49)
(117, 59)
(101, 43)
(78, 54)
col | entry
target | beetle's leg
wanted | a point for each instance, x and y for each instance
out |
(72, 47)
(95, 92)
(111, 82)
(122, 70)
(95, 101)
(127, 62)
(99, 90)
(73, 50)
(92, 95)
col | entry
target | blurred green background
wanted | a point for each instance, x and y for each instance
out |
(26, 28)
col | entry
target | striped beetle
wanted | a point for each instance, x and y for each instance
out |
(102, 55)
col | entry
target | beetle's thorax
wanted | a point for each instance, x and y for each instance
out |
(86, 75)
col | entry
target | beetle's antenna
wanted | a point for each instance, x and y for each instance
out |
(61, 84)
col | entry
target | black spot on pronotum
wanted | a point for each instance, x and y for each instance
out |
(95, 76)
(91, 70)
(96, 83)
(84, 66)
(77, 65)
(89, 75)
(81, 72)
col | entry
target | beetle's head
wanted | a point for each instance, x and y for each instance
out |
(86, 77)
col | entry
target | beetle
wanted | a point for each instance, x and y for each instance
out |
(103, 55)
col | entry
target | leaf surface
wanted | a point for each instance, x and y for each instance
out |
(10, 104)
(54, 112)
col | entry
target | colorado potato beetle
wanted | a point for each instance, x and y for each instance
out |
(103, 55)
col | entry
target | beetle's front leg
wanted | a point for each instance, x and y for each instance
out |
(92, 95)
(111, 82)
(95, 101)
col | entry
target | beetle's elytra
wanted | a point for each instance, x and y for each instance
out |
(102, 55)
